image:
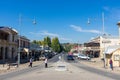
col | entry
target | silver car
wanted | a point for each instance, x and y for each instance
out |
(83, 56)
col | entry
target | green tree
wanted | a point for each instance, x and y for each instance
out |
(56, 45)
(67, 47)
(42, 43)
(34, 41)
(37, 42)
(47, 41)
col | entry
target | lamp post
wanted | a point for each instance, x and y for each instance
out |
(119, 37)
(103, 40)
(19, 40)
(119, 28)
(19, 49)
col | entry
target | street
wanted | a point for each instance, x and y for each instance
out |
(75, 71)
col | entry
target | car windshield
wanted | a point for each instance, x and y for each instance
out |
(80, 54)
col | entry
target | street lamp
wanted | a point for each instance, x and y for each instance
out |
(103, 40)
(119, 27)
(19, 41)
(19, 49)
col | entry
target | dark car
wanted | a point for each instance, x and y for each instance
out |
(70, 57)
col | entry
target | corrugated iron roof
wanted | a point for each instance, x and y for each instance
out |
(111, 49)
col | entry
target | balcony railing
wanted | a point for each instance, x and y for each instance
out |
(7, 42)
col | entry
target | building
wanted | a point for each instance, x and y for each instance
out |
(35, 51)
(113, 52)
(8, 43)
(24, 47)
(97, 46)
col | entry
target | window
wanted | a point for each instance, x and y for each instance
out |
(117, 57)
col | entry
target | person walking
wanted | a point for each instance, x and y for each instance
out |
(111, 64)
(46, 65)
(59, 57)
(30, 65)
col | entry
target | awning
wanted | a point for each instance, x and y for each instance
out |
(111, 49)
(26, 49)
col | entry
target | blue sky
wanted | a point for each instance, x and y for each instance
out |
(65, 19)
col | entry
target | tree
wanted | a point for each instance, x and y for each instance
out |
(34, 41)
(47, 41)
(37, 42)
(42, 43)
(55, 45)
(67, 47)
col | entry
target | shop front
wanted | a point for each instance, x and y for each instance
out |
(114, 54)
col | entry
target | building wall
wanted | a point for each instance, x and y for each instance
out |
(115, 56)
(105, 42)
(24, 47)
(8, 45)
(24, 42)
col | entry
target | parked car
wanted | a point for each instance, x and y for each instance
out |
(75, 54)
(42, 57)
(70, 57)
(83, 56)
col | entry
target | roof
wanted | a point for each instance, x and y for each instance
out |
(8, 30)
(111, 49)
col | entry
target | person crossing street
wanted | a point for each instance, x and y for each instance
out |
(46, 65)
(30, 65)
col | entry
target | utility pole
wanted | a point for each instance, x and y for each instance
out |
(19, 49)
(103, 40)
(20, 21)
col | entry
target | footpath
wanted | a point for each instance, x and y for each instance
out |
(98, 64)
(6, 68)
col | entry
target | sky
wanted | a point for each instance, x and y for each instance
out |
(73, 21)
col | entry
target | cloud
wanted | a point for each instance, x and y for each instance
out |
(46, 33)
(65, 39)
(79, 29)
(35, 33)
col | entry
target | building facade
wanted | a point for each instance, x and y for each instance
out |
(8, 43)
(98, 45)
(23, 47)
(113, 52)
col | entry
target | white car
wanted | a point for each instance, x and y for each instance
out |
(75, 54)
(83, 56)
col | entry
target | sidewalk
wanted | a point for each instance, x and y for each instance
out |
(7, 68)
(98, 64)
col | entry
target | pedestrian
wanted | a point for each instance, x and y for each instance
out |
(30, 65)
(111, 64)
(59, 57)
(46, 65)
